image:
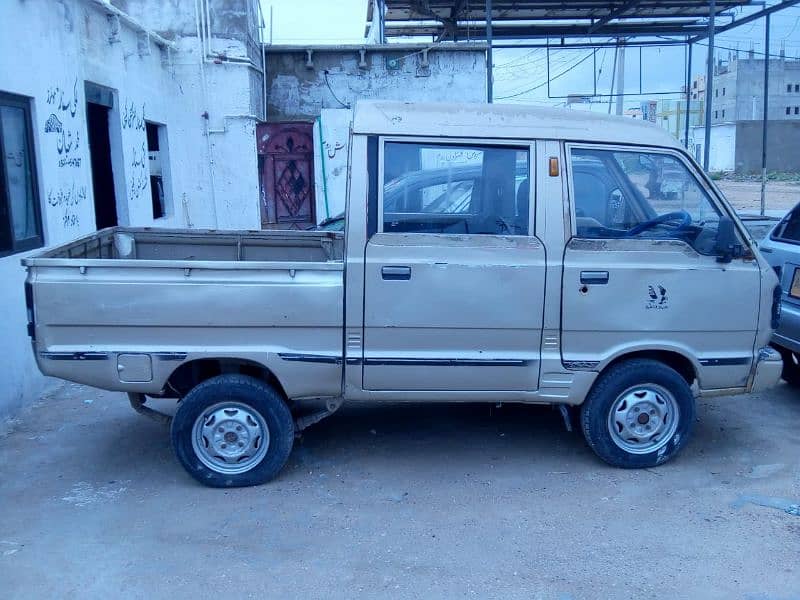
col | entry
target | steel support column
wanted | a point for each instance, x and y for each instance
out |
(764, 122)
(489, 74)
(688, 98)
(709, 83)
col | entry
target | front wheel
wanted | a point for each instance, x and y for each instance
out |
(639, 414)
(232, 431)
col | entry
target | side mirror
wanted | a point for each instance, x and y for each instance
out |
(727, 245)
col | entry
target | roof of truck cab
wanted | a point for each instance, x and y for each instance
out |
(504, 121)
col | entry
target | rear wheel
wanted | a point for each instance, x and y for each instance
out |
(233, 431)
(791, 366)
(639, 414)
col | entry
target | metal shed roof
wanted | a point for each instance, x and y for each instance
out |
(462, 19)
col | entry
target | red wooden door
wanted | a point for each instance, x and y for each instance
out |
(287, 175)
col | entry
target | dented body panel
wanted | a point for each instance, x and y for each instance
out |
(519, 307)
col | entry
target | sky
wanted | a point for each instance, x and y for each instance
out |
(520, 75)
(315, 21)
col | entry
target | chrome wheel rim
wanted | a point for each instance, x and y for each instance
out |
(230, 438)
(643, 418)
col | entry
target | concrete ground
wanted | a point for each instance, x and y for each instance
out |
(436, 501)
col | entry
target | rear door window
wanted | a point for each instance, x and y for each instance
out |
(455, 189)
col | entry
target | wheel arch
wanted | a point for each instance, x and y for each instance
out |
(191, 373)
(674, 359)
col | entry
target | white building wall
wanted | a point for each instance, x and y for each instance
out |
(48, 51)
(336, 77)
(722, 155)
(330, 157)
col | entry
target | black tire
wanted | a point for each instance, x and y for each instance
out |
(790, 372)
(258, 398)
(621, 379)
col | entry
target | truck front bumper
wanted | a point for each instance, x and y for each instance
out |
(767, 371)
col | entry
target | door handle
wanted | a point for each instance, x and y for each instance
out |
(396, 273)
(594, 277)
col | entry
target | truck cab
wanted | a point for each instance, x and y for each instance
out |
(490, 254)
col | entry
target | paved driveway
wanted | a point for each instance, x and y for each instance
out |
(403, 501)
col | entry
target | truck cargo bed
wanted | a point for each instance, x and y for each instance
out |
(125, 308)
(170, 245)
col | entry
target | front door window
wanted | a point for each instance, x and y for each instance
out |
(627, 194)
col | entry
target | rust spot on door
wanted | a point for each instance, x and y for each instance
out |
(286, 156)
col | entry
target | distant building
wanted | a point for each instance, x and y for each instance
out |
(671, 114)
(737, 109)
(698, 88)
(633, 113)
(739, 90)
(736, 146)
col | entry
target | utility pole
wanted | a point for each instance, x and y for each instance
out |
(620, 79)
(613, 77)
(764, 123)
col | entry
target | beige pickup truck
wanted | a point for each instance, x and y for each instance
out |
(488, 254)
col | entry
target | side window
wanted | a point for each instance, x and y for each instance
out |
(788, 230)
(622, 194)
(20, 222)
(455, 189)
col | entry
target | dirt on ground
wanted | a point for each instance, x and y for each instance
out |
(745, 196)
(403, 501)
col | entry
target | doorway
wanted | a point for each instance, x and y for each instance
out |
(286, 155)
(105, 200)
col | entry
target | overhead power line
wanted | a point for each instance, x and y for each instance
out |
(553, 78)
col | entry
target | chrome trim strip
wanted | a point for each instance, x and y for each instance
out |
(312, 358)
(448, 362)
(726, 362)
(580, 365)
(168, 355)
(74, 355)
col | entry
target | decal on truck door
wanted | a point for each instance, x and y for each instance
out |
(657, 298)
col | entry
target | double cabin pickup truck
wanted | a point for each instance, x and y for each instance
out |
(489, 254)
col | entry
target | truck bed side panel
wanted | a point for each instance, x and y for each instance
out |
(287, 319)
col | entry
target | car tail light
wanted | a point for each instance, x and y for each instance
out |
(776, 306)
